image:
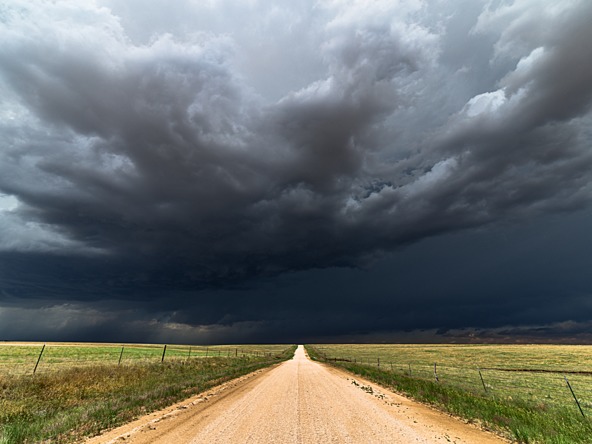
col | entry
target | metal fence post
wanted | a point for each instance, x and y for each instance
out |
(39, 358)
(482, 381)
(574, 396)
(120, 355)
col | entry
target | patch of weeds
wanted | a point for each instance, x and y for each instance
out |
(367, 389)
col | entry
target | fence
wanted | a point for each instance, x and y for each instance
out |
(18, 359)
(542, 388)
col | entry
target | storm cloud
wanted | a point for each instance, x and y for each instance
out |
(195, 158)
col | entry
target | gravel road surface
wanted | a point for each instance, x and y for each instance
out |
(300, 402)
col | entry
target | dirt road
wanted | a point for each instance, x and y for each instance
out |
(299, 401)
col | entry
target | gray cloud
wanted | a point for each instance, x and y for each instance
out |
(202, 146)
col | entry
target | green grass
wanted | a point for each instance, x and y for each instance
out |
(527, 406)
(546, 357)
(67, 404)
(20, 358)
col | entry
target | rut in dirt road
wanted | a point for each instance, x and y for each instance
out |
(302, 401)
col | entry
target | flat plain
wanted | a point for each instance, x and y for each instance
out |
(531, 372)
(59, 392)
(535, 393)
(63, 392)
(22, 358)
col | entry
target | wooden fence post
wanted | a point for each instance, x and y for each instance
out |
(378, 362)
(189, 355)
(120, 356)
(409, 369)
(436, 373)
(39, 358)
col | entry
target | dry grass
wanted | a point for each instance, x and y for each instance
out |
(20, 358)
(67, 404)
(523, 392)
(533, 373)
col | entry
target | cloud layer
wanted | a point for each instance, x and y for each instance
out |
(204, 144)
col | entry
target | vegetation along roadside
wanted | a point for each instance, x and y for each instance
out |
(524, 419)
(72, 403)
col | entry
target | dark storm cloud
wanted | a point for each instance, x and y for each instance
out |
(146, 161)
(161, 148)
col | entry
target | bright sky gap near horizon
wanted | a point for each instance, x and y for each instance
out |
(257, 171)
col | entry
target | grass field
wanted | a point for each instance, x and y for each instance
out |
(17, 358)
(520, 390)
(80, 389)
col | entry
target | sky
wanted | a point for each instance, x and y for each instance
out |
(315, 171)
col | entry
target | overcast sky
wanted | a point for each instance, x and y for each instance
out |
(229, 171)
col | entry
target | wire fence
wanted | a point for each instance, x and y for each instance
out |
(40, 358)
(541, 388)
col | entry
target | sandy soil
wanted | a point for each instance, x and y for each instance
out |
(299, 401)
